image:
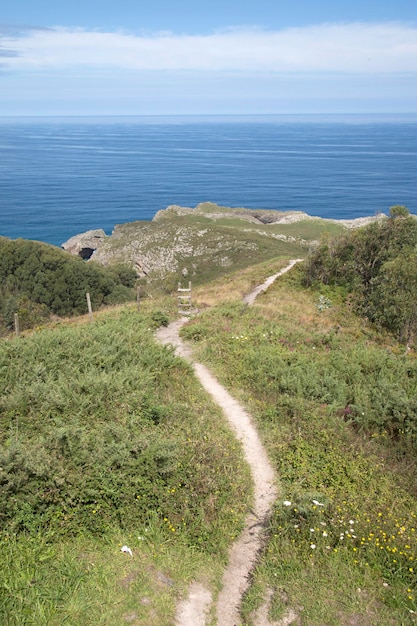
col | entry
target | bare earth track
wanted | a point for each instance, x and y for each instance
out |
(193, 611)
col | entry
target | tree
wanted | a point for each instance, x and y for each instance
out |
(378, 265)
(394, 296)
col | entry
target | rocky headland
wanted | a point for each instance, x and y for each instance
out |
(183, 239)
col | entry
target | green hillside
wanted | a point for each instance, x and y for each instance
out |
(108, 440)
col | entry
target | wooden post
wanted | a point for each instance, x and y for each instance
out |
(90, 310)
(16, 325)
(138, 297)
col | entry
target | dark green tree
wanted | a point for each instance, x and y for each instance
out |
(376, 264)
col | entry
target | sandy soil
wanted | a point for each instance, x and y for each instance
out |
(193, 610)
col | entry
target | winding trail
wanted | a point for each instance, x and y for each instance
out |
(194, 609)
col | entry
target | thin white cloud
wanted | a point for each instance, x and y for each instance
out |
(355, 47)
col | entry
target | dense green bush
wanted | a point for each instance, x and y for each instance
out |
(37, 279)
(377, 265)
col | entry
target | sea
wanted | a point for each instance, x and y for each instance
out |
(60, 176)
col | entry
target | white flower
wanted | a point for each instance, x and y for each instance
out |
(286, 503)
(126, 549)
(317, 503)
(324, 534)
(313, 546)
(141, 538)
(312, 530)
(351, 521)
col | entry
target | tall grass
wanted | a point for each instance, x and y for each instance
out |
(335, 403)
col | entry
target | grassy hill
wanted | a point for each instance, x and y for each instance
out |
(335, 401)
(107, 440)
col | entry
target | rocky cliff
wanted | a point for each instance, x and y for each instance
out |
(183, 240)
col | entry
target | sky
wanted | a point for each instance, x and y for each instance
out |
(183, 57)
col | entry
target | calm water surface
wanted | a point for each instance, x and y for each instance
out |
(62, 176)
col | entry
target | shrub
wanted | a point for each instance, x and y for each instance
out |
(376, 264)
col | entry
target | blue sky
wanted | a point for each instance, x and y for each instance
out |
(132, 57)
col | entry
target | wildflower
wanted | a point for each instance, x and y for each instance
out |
(317, 503)
(313, 546)
(324, 534)
(126, 549)
(286, 503)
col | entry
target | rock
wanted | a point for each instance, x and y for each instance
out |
(85, 244)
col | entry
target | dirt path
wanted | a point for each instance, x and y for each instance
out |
(243, 553)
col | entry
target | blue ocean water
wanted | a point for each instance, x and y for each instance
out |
(62, 176)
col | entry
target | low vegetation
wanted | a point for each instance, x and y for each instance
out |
(335, 402)
(107, 439)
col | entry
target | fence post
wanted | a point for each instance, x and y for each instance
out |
(138, 297)
(16, 325)
(90, 310)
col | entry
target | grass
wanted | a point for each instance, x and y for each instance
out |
(233, 287)
(107, 440)
(90, 581)
(334, 401)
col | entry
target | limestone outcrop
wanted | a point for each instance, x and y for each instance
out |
(85, 244)
(209, 238)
